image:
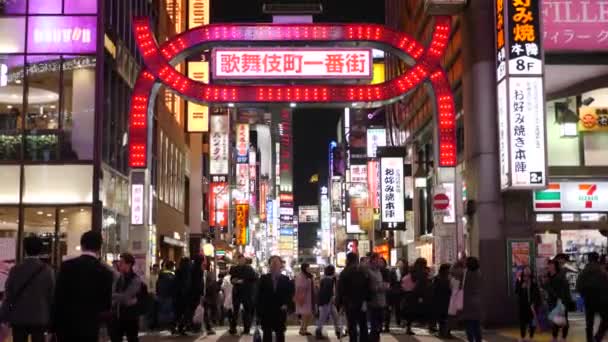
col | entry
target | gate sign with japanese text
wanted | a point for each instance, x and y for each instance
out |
(520, 95)
(292, 63)
(392, 193)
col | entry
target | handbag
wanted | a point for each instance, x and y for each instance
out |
(457, 298)
(199, 314)
(558, 315)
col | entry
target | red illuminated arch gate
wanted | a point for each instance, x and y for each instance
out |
(159, 61)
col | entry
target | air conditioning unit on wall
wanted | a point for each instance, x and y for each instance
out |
(444, 7)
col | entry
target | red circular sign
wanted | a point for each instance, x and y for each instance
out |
(441, 201)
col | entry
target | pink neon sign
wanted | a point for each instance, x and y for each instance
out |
(575, 25)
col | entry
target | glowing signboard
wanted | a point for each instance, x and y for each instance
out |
(218, 145)
(392, 193)
(292, 63)
(198, 115)
(62, 34)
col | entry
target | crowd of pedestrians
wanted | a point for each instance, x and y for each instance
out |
(87, 296)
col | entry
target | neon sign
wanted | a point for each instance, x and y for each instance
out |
(62, 34)
(291, 63)
(159, 61)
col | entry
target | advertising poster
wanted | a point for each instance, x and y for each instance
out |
(218, 202)
(242, 143)
(520, 253)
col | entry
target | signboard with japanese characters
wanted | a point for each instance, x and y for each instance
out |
(520, 95)
(575, 25)
(392, 193)
(375, 137)
(242, 143)
(218, 202)
(358, 174)
(593, 119)
(524, 37)
(219, 145)
(527, 132)
(292, 63)
(242, 183)
(198, 115)
(241, 220)
(137, 204)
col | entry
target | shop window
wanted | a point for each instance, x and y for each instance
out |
(596, 153)
(45, 6)
(562, 149)
(73, 222)
(11, 106)
(78, 108)
(70, 184)
(42, 114)
(9, 223)
(80, 6)
(9, 184)
(40, 221)
(12, 34)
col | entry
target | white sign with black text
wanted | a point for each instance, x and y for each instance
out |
(391, 187)
(137, 204)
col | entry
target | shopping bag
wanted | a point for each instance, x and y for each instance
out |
(199, 314)
(558, 315)
(456, 302)
(257, 335)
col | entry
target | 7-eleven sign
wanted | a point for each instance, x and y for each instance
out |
(587, 194)
(572, 197)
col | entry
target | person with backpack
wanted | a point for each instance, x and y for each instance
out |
(29, 294)
(327, 302)
(164, 294)
(127, 301)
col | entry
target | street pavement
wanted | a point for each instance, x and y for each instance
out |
(292, 335)
(397, 334)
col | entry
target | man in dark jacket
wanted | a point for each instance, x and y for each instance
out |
(243, 278)
(29, 294)
(353, 292)
(125, 314)
(164, 293)
(209, 295)
(83, 295)
(592, 284)
(275, 292)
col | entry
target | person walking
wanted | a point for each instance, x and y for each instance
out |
(83, 293)
(152, 314)
(164, 294)
(592, 284)
(353, 292)
(243, 278)
(387, 279)
(441, 300)
(408, 302)
(528, 301)
(182, 297)
(472, 306)
(209, 295)
(395, 295)
(327, 302)
(29, 294)
(557, 289)
(275, 292)
(227, 298)
(377, 302)
(304, 298)
(125, 315)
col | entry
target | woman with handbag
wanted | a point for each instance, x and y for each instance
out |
(558, 293)
(528, 301)
(29, 294)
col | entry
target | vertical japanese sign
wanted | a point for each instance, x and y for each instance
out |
(325, 221)
(372, 183)
(198, 13)
(218, 145)
(253, 179)
(218, 202)
(137, 204)
(242, 183)
(263, 211)
(198, 115)
(285, 151)
(375, 137)
(242, 219)
(242, 143)
(520, 95)
(392, 193)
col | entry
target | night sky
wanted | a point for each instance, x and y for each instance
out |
(313, 128)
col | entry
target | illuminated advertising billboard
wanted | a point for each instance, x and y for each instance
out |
(62, 34)
(219, 152)
(242, 143)
(392, 193)
(218, 202)
(198, 115)
(291, 63)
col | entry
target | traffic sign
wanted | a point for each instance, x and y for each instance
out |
(441, 201)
